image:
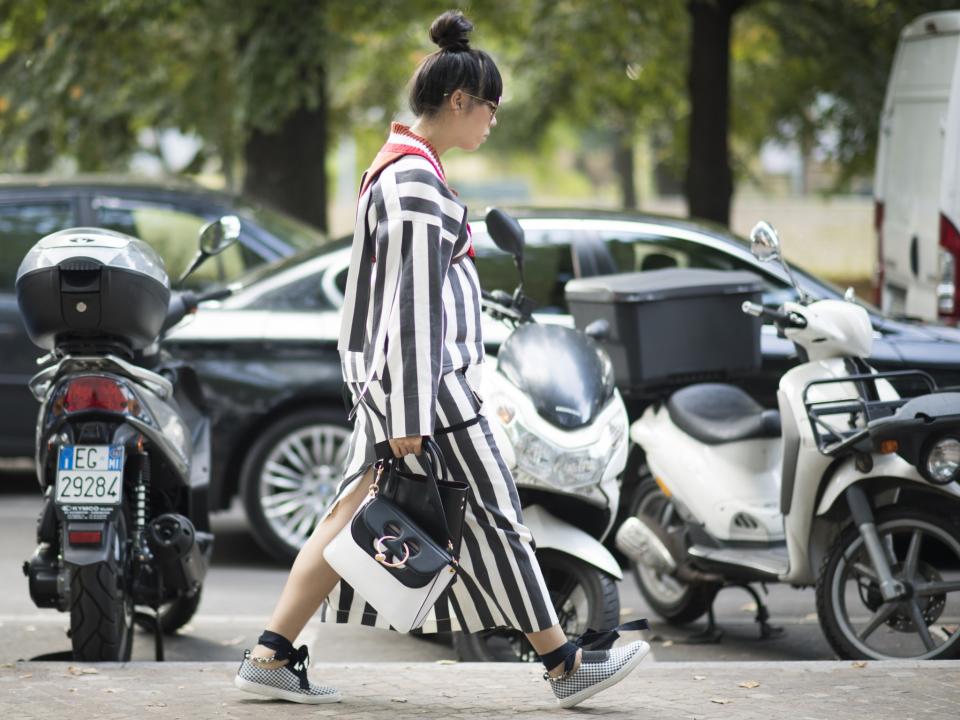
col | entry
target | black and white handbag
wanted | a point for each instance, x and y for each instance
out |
(397, 564)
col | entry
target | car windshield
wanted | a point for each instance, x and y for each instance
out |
(298, 234)
(276, 267)
(558, 250)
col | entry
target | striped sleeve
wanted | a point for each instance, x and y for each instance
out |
(417, 219)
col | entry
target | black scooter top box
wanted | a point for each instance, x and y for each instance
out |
(92, 290)
(672, 327)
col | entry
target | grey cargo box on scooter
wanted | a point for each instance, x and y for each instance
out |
(671, 327)
(85, 285)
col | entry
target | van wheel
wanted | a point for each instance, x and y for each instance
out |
(290, 476)
(677, 602)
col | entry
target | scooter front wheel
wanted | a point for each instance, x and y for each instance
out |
(583, 596)
(675, 601)
(923, 551)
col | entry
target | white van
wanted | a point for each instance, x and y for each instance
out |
(917, 183)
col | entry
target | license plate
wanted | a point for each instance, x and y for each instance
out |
(90, 475)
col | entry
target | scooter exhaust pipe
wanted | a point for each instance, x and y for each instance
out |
(647, 544)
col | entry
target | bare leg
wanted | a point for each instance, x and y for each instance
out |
(549, 640)
(311, 579)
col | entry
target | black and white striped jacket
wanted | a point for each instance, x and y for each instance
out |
(411, 309)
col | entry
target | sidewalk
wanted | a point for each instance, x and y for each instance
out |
(451, 691)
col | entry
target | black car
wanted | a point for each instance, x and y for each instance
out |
(270, 367)
(165, 214)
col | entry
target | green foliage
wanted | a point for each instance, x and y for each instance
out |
(818, 69)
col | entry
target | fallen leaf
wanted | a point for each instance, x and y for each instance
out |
(749, 684)
(398, 700)
(89, 671)
(721, 701)
(157, 705)
(859, 664)
(6, 665)
(667, 643)
(26, 675)
(699, 677)
(749, 607)
(112, 690)
(71, 690)
(446, 662)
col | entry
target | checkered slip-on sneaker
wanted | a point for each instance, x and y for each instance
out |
(598, 670)
(281, 683)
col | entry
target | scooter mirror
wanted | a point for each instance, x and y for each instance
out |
(507, 235)
(215, 237)
(764, 242)
(506, 232)
(850, 295)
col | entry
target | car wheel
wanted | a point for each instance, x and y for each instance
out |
(290, 476)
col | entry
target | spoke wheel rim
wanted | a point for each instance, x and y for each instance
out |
(665, 588)
(299, 479)
(855, 557)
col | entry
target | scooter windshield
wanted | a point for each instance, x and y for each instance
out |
(563, 372)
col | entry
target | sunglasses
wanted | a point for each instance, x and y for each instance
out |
(491, 105)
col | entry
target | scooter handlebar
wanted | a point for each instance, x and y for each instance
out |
(784, 319)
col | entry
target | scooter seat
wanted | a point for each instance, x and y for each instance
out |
(715, 413)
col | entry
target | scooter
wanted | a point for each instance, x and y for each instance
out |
(852, 488)
(562, 428)
(123, 443)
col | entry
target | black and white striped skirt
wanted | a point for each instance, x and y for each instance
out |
(500, 583)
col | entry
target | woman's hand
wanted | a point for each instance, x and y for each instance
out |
(406, 445)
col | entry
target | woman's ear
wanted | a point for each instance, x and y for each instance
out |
(456, 100)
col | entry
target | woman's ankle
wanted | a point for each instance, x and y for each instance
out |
(559, 669)
(263, 654)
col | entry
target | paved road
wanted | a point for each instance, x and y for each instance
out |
(244, 582)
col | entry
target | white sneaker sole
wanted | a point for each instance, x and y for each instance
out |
(619, 675)
(279, 694)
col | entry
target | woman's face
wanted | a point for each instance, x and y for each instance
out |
(475, 119)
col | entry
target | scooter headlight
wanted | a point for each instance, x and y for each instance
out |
(942, 462)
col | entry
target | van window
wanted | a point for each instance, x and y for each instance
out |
(21, 225)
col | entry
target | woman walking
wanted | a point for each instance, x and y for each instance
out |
(411, 348)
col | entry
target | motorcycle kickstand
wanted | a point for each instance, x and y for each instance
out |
(767, 631)
(152, 622)
(711, 635)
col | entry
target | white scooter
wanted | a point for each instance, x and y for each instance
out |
(858, 493)
(561, 426)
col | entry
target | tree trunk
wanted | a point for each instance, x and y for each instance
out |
(709, 181)
(286, 168)
(624, 166)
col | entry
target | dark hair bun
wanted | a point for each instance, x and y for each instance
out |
(450, 31)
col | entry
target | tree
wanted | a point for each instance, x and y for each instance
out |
(709, 179)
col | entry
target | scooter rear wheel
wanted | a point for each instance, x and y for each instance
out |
(677, 602)
(101, 614)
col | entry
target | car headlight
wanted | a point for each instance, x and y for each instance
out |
(942, 462)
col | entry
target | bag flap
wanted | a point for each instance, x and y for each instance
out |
(379, 518)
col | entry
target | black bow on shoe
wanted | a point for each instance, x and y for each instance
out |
(298, 659)
(604, 639)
